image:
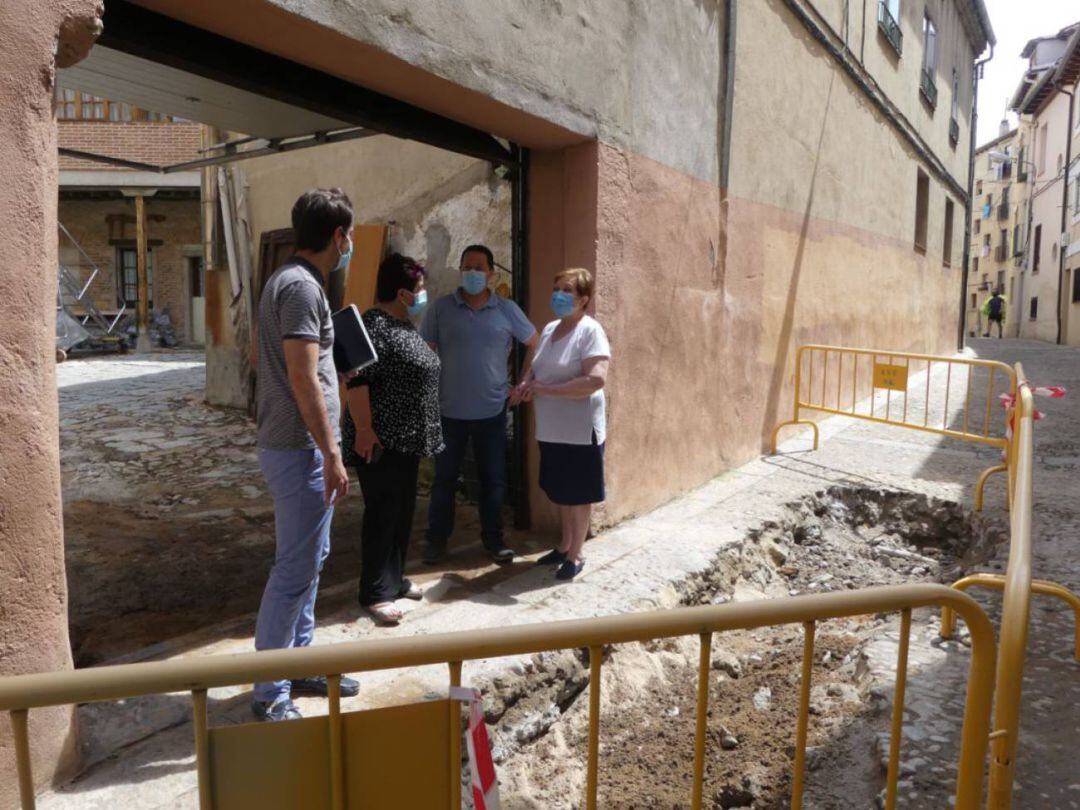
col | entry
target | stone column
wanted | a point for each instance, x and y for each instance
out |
(36, 36)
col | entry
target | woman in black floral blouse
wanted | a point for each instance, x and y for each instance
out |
(392, 420)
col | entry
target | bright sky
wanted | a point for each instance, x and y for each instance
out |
(1015, 22)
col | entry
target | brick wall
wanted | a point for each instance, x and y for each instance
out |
(157, 143)
(87, 221)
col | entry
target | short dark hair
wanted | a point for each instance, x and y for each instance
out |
(317, 214)
(397, 272)
(480, 249)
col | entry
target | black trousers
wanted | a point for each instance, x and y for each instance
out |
(389, 488)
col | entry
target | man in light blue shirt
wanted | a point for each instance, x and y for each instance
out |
(473, 331)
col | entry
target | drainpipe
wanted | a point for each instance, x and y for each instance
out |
(730, 13)
(208, 202)
(1018, 305)
(1062, 297)
(727, 56)
(970, 202)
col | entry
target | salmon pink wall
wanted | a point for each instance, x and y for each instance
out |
(705, 299)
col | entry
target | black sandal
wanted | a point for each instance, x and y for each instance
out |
(553, 557)
(409, 590)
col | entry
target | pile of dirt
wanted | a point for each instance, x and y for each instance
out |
(843, 538)
(840, 538)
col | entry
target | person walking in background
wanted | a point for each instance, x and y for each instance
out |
(473, 330)
(565, 383)
(391, 423)
(297, 391)
(994, 310)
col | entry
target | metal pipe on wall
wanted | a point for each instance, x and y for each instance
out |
(973, 137)
(208, 200)
(730, 22)
(519, 274)
(1026, 263)
(1062, 293)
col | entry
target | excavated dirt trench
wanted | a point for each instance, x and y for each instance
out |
(840, 538)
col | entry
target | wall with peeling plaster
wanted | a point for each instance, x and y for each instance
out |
(435, 203)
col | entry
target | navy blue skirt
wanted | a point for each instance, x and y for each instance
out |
(572, 474)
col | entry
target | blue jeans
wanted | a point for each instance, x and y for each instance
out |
(489, 446)
(302, 530)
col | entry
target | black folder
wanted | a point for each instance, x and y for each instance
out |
(352, 346)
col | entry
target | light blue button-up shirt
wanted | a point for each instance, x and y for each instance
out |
(474, 345)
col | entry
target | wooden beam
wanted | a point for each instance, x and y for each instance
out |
(158, 38)
(142, 343)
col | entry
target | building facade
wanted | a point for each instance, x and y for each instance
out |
(743, 176)
(1046, 102)
(998, 231)
(97, 211)
(1070, 292)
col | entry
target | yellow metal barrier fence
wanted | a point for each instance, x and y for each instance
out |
(1017, 586)
(834, 379)
(20, 693)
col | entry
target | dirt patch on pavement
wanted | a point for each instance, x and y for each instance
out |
(648, 756)
(138, 577)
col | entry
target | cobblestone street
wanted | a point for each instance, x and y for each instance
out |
(1048, 773)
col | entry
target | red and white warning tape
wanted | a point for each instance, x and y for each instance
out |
(1009, 400)
(485, 787)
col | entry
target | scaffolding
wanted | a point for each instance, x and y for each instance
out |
(79, 321)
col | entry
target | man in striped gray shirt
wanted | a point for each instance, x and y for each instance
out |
(299, 451)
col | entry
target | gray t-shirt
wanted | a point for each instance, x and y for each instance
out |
(293, 305)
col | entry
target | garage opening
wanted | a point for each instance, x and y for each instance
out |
(168, 526)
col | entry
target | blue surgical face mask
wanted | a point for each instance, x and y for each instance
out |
(345, 258)
(562, 303)
(418, 304)
(474, 281)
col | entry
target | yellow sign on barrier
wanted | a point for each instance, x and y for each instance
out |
(889, 376)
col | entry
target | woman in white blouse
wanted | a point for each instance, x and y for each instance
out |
(566, 385)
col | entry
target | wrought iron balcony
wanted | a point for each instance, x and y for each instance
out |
(1001, 253)
(890, 27)
(954, 131)
(1003, 211)
(928, 87)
